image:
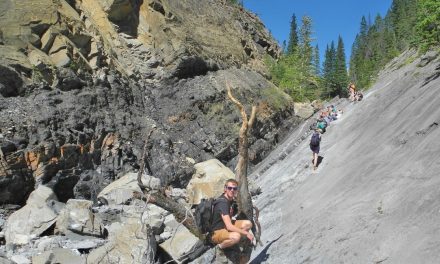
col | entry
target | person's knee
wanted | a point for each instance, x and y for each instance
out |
(235, 237)
(247, 225)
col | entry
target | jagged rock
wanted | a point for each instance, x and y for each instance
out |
(6, 261)
(154, 217)
(33, 219)
(121, 190)
(60, 58)
(10, 82)
(90, 185)
(181, 240)
(77, 217)
(20, 259)
(208, 181)
(58, 255)
(129, 241)
(74, 242)
(48, 38)
(304, 110)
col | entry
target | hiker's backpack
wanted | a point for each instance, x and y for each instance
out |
(314, 141)
(203, 215)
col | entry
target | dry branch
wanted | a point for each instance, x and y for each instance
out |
(244, 199)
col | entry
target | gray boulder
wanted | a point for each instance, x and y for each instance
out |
(59, 255)
(33, 219)
(77, 217)
(181, 241)
(129, 241)
(121, 190)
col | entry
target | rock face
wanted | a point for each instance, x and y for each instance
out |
(83, 82)
(375, 196)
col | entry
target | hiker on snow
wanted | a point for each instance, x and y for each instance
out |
(226, 231)
(315, 142)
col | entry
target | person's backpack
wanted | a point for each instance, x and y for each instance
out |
(204, 214)
(314, 141)
(321, 125)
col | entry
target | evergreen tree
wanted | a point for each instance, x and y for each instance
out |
(428, 23)
(340, 71)
(316, 61)
(293, 37)
(379, 42)
(329, 70)
(403, 15)
(284, 47)
(305, 41)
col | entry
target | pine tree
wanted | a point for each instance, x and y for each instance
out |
(316, 61)
(428, 24)
(293, 37)
(341, 77)
(305, 41)
(329, 70)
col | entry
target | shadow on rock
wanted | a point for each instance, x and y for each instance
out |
(263, 256)
(320, 159)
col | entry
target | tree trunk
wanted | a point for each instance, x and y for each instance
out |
(244, 199)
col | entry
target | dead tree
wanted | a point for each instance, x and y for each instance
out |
(244, 199)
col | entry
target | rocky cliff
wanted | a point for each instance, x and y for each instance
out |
(82, 82)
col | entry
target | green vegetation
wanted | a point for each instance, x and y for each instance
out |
(408, 23)
(276, 98)
(298, 71)
(428, 24)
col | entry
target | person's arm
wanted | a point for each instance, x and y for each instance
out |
(230, 227)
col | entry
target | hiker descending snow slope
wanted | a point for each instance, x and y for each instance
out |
(376, 196)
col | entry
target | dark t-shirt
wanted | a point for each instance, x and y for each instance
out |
(222, 206)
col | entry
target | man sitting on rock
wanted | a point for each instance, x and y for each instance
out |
(226, 231)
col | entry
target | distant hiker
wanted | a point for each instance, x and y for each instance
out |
(351, 91)
(358, 96)
(321, 124)
(226, 231)
(315, 142)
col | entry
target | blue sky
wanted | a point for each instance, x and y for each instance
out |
(331, 18)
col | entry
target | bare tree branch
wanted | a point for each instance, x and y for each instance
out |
(244, 200)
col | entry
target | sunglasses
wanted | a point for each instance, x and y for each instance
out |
(231, 188)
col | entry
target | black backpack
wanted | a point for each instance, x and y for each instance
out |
(314, 141)
(204, 214)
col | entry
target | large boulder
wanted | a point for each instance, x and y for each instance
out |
(77, 217)
(208, 181)
(58, 255)
(129, 241)
(34, 218)
(121, 190)
(303, 110)
(181, 240)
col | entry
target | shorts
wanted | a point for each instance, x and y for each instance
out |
(315, 149)
(222, 234)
